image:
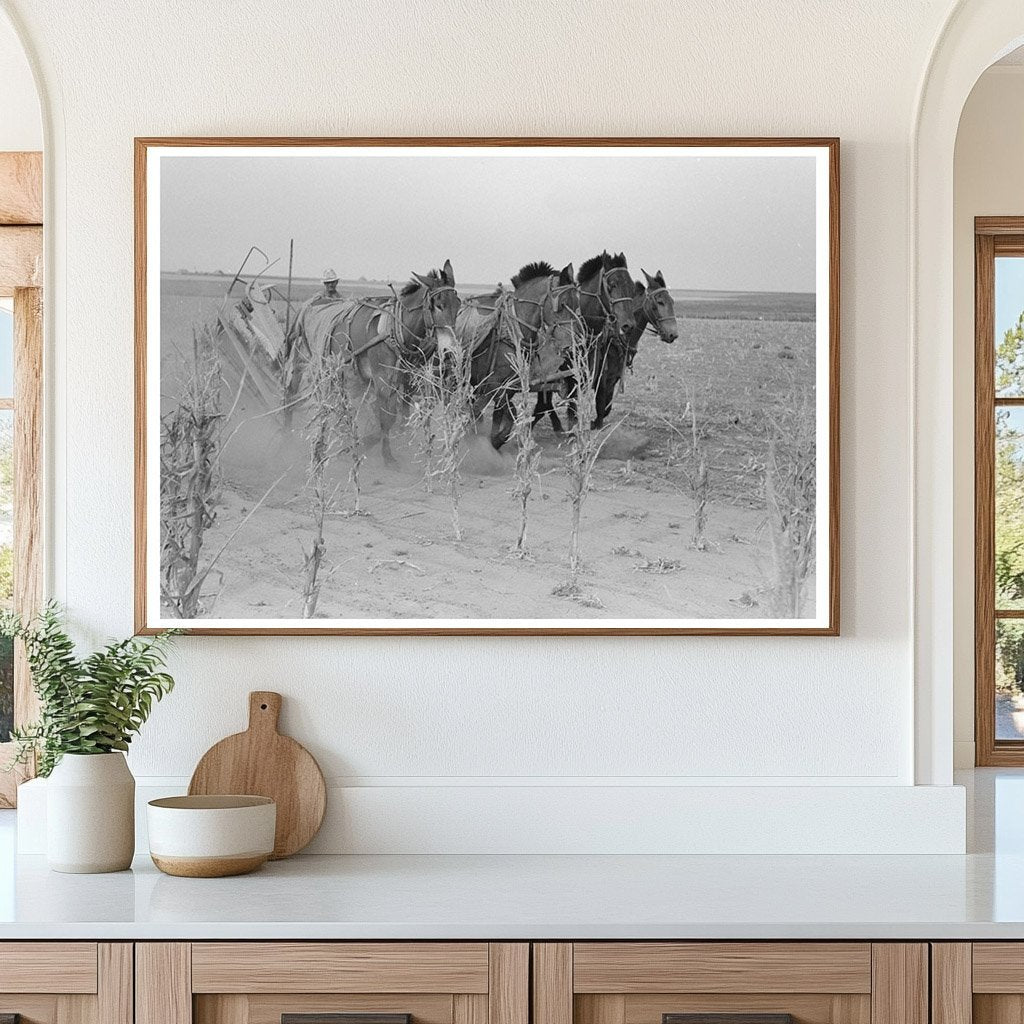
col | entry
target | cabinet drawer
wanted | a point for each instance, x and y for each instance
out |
(730, 983)
(332, 983)
(65, 967)
(66, 982)
(634, 967)
(340, 967)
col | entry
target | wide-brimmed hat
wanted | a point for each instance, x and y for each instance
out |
(329, 275)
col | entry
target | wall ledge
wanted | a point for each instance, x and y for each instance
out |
(680, 819)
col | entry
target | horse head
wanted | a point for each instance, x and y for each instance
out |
(610, 298)
(659, 308)
(440, 307)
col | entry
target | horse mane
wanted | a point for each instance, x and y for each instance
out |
(434, 277)
(531, 271)
(604, 261)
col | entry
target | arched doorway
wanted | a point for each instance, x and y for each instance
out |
(976, 34)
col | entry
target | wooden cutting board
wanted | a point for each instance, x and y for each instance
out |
(262, 762)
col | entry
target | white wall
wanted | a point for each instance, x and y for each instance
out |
(456, 712)
(21, 126)
(987, 181)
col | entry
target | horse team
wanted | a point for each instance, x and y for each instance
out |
(546, 310)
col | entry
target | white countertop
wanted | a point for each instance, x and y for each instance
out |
(978, 896)
(496, 897)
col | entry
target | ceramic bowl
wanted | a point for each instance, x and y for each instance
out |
(211, 836)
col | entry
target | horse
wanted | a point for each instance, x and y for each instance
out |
(537, 318)
(606, 305)
(652, 306)
(383, 336)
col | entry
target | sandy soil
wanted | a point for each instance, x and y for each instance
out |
(400, 559)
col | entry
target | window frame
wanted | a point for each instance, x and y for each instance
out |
(993, 237)
(21, 271)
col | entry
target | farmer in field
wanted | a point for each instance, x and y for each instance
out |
(330, 283)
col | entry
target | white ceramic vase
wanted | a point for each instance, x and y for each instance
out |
(90, 814)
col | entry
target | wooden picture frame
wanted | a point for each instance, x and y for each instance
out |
(150, 151)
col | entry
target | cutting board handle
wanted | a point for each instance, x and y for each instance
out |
(264, 710)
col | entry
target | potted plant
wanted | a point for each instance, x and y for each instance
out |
(89, 710)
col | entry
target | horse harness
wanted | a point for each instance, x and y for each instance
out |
(603, 295)
(659, 320)
(394, 335)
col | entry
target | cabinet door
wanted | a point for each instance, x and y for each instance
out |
(730, 983)
(65, 983)
(979, 982)
(332, 983)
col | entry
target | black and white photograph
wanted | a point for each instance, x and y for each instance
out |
(449, 386)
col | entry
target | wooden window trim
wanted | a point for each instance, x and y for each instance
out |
(993, 236)
(21, 269)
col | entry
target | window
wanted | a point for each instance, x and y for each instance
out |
(999, 490)
(21, 364)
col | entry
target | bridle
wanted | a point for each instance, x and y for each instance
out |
(659, 320)
(604, 296)
(429, 323)
(557, 294)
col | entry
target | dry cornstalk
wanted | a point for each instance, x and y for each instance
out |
(790, 505)
(190, 440)
(331, 431)
(528, 452)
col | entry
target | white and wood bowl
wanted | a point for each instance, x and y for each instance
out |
(211, 836)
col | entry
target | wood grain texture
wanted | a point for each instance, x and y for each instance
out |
(28, 483)
(262, 762)
(806, 1008)
(552, 983)
(998, 967)
(727, 1018)
(31, 1009)
(226, 1009)
(467, 1009)
(304, 967)
(144, 144)
(899, 990)
(269, 1008)
(28, 519)
(65, 967)
(999, 226)
(951, 983)
(115, 995)
(603, 1009)
(633, 967)
(21, 188)
(346, 1018)
(163, 983)
(998, 1009)
(21, 258)
(76, 1009)
(508, 992)
(984, 502)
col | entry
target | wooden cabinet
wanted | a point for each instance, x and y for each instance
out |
(66, 982)
(978, 983)
(309, 982)
(751, 982)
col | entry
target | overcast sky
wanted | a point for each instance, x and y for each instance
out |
(708, 222)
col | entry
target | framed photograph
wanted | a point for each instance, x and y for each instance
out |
(487, 386)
